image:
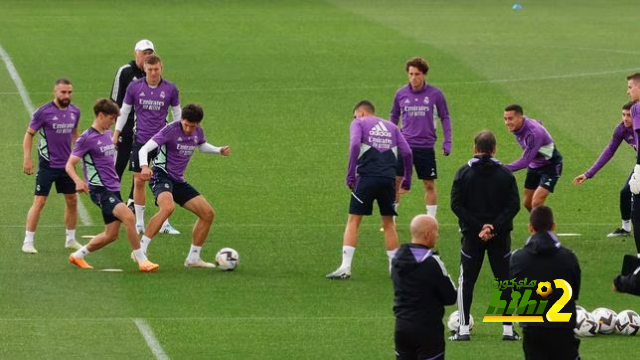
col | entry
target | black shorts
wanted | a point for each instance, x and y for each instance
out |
(419, 343)
(135, 163)
(161, 182)
(368, 189)
(46, 176)
(545, 176)
(106, 201)
(424, 161)
(550, 344)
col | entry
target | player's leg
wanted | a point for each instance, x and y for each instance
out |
(44, 180)
(199, 206)
(548, 180)
(385, 196)
(625, 211)
(499, 253)
(471, 258)
(531, 184)
(122, 213)
(66, 186)
(139, 195)
(166, 207)
(424, 161)
(405, 348)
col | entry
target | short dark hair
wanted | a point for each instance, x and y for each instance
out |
(367, 105)
(193, 113)
(106, 106)
(418, 63)
(635, 77)
(152, 59)
(628, 105)
(485, 142)
(541, 218)
(64, 81)
(514, 107)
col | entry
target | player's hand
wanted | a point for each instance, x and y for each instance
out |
(225, 151)
(146, 173)
(114, 139)
(486, 233)
(403, 190)
(82, 187)
(580, 179)
(446, 148)
(27, 167)
(634, 182)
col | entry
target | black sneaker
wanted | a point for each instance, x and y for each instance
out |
(619, 232)
(458, 337)
(513, 337)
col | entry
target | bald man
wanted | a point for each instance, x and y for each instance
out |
(422, 288)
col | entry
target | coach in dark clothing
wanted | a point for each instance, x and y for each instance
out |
(543, 259)
(484, 197)
(422, 288)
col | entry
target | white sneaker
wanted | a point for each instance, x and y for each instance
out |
(199, 263)
(73, 245)
(140, 229)
(340, 274)
(168, 229)
(29, 249)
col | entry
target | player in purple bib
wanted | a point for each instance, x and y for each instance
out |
(57, 124)
(541, 156)
(633, 90)
(177, 142)
(150, 98)
(98, 153)
(374, 147)
(623, 132)
(415, 106)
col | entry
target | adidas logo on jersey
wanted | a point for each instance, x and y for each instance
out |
(142, 94)
(380, 130)
(55, 118)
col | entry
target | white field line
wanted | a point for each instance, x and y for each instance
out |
(151, 340)
(26, 100)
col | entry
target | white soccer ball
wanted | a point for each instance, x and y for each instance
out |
(585, 324)
(606, 318)
(454, 321)
(627, 322)
(227, 259)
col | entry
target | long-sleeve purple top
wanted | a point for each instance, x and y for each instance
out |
(620, 134)
(635, 119)
(417, 110)
(176, 149)
(373, 150)
(539, 148)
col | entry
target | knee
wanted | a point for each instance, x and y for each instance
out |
(208, 215)
(168, 209)
(38, 202)
(71, 201)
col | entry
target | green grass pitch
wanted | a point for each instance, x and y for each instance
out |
(278, 80)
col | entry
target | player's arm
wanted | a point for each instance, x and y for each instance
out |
(457, 204)
(212, 149)
(143, 159)
(394, 116)
(355, 140)
(70, 167)
(602, 160)
(511, 209)
(118, 90)
(27, 144)
(446, 289)
(176, 112)
(407, 159)
(443, 114)
(121, 121)
(532, 146)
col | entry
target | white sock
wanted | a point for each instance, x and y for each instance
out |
(194, 253)
(463, 330)
(507, 330)
(432, 210)
(626, 225)
(139, 254)
(165, 223)
(71, 235)
(139, 214)
(347, 255)
(144, 243)
(80, 254)
(28, 237)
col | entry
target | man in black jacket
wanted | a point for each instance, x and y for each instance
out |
(544, 259)
(484, 197)
(422, 288)
(629, 280)
(128, 72)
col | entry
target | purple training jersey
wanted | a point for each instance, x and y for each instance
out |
(373, 150)
(417, 109)
(635, 119)
(539, 148)
(151, 106)
(55, 127)
(98, 154)
(620, 134)
(176, 149)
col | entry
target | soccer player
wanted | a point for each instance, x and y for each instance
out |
(484, 197)
(541, 156)
(422, 287)
(633, 90)
(622, 132)
(150, 97)
(97, 153)
(177, 141)
(57, 124)
(543, 258)
(373, 152)
(415, 106)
